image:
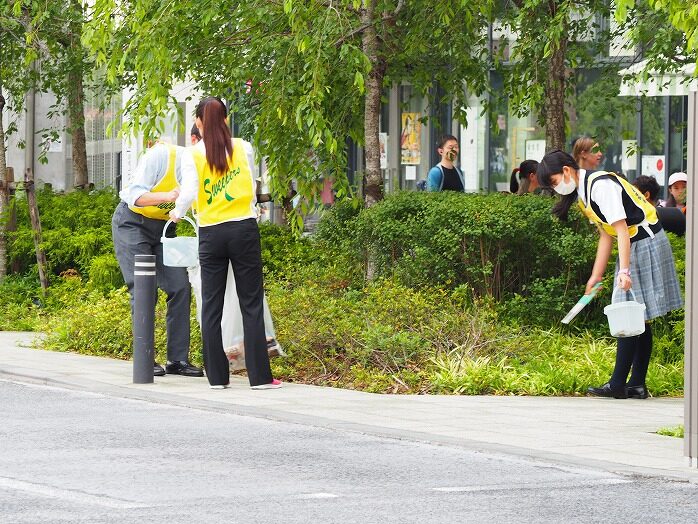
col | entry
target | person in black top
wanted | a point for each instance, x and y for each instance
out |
(445, 176)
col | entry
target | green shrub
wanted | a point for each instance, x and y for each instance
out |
(497, 244)
(76, 227)
(282, 253)
(104, 272)
(392, 338)
(89, 322)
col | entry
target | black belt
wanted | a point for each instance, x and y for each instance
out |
(642, 231)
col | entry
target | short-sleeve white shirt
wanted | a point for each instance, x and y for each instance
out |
(606, 194)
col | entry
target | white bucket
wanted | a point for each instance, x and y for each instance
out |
(625, 319)
(180, 251)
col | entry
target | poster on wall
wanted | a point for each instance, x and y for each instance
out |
(654, 165)
(628, 158)
(383, 144)
(535, 150)
(410, 139)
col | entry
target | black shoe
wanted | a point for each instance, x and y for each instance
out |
(158, 371)
(637, 391)
(607, 391)
(183, 367)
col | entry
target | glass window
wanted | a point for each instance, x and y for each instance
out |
(596, 111)
(414, 138)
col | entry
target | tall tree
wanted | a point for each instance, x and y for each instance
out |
(316, 68)
(552, 39)
(56, 30)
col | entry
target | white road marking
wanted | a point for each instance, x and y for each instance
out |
(537, 485)
(318, 496)
(78, 497)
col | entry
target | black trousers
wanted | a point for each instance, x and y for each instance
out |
(239, 244)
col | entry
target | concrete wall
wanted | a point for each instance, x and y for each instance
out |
(58, 170)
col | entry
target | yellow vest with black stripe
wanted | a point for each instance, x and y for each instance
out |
(167, 183)
(229, 196)
(641, 216)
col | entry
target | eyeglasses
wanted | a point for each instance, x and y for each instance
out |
(596, 148)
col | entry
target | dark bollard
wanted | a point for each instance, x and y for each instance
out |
(143, 321)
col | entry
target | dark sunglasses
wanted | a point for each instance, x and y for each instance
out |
(595, 149)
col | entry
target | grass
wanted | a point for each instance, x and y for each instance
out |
(676, 431)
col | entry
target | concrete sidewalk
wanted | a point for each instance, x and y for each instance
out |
(614, 435)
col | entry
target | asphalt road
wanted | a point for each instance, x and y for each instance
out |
(69, 457)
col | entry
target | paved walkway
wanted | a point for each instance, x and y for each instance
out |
(615, 435)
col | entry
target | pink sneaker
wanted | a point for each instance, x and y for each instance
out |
(274, 384)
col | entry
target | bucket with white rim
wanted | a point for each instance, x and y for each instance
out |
(626, 318)
(180, 251)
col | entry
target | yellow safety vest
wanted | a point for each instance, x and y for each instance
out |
(225, 197)
(641, 216)
(167, 183)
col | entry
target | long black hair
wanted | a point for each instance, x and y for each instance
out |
(219, 148)
(552, 164)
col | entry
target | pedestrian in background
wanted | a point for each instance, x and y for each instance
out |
(446, 176)
(678, 183)
(223, 187)
(650, 188)
(587, 153)
(645, 261)
(523, 178)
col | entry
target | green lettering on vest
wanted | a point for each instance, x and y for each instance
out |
(210, 195)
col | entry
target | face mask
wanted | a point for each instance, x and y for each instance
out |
(565, 188)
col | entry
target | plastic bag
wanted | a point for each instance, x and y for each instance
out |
(231, 322)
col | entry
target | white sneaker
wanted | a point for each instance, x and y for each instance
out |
(219, 386)
(274, 384)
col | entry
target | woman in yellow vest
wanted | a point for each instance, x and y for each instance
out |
(222, 189)
(645, 261)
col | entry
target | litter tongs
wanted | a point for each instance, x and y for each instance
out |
(581, 303)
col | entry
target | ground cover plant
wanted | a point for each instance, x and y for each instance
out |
(466, 297)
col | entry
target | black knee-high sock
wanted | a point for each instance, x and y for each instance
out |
(625, 354)
(642, 358)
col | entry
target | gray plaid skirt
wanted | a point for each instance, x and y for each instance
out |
(653, 273)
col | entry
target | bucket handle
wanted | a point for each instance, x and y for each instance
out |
(167, 224)
(617, 288)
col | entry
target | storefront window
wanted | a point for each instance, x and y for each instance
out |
(414, 138)
(513, 139)
(596, 111)
(678, 131)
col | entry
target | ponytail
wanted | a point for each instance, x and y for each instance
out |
(217, 137)
(514, 182)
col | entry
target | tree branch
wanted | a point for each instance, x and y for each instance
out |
(385, 18)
